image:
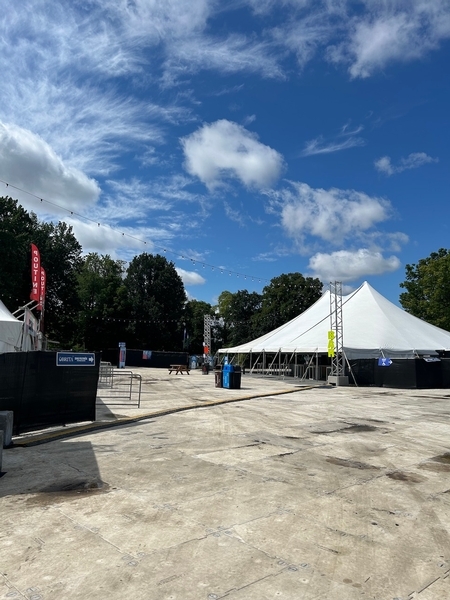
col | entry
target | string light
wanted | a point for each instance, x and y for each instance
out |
(127, 235)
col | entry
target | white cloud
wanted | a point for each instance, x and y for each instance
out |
(106, 240)
(347, 265)
(190, 277)
(27, 161)
(395, 31)
(384, 165)
(223, 150)
(413, 161)
(331, 215)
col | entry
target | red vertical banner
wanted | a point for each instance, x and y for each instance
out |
(42, 284)
(35, 274)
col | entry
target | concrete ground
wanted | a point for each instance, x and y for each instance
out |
(287, 492)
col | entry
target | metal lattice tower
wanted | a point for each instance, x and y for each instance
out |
(336, 325)
(207, 322)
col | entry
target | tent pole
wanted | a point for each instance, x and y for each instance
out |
(274, 359)
(264, 363)
(252, 366)
(350, 368)
(290, 361)
(307, 368)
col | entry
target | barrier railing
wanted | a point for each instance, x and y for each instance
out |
(120, 387)
(105, 376)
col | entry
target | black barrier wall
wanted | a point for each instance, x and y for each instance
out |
(41, 394)
(415, 373)
(146, 358)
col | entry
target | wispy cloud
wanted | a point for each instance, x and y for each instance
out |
(413, 161)
(345, 139)
(320, 146)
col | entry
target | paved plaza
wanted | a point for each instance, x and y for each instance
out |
(278, 491)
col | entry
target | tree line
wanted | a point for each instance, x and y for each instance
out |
(94, 301)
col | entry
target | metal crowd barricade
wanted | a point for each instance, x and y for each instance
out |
(120, 387)
(105, 378)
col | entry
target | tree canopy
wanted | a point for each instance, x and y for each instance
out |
(17, 228)
(103, 302)
(287, 296)
(60, 257)
(156, 299)
(95, 301)
(193, 323)
(245, 315)
(427, 288)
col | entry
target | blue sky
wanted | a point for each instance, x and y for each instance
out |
(246, 138)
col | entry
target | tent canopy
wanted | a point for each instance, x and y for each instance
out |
(372, 327)
(10, 331)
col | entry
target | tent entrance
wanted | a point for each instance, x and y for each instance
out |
(297, 365)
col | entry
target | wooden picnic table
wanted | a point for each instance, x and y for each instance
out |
(178, 369)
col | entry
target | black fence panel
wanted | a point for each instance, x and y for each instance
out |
(42, 394)
(414, 373)
(445, 372)
(401, 374)
(428, 374)
(363, 371)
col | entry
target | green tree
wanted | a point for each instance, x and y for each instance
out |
(427, 288)
(156, 298)
(284, 298)
(17, 228)
(240, 313)
(102, 296)
(61, 258)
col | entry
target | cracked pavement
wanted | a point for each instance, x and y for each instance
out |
(319, 494)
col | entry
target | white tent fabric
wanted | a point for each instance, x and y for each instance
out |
(373, 327)
(10, 331)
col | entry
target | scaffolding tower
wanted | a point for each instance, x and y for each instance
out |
(337, 375)
(207, 322)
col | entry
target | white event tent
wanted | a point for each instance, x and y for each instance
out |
(373, 327)
(10, 331)
(19, 335)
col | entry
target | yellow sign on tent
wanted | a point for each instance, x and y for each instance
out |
(331, 347)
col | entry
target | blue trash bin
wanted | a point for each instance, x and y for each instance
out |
(226, 381)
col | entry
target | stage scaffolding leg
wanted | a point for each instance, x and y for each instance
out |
(337, 375)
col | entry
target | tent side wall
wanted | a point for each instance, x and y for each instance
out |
(403, 373)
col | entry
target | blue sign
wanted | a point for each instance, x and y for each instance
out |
(75, 359)
(122, 354)
(384, 362)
